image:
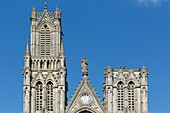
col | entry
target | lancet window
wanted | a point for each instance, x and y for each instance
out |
(131, 96)
(50, 96)
(120, 96)
(39, 96)
(45, 40)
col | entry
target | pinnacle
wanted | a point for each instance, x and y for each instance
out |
(45, 6)
(34, 8)
(27, 52)
(62, 47)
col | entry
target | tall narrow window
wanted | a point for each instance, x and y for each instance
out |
(39, 94)
(120, 96)
(131, 96)
(50, 96)
(45, 40)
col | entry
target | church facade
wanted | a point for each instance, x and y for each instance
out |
(45, 84)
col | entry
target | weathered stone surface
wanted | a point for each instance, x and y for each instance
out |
(45, 86)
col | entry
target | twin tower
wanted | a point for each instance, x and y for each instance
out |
(45, 86)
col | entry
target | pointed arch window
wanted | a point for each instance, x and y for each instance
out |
(39, 96)
(45, 40)
(131, 96)
(120, 96)
(50, 95)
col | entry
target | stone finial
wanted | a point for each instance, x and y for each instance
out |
(58, 13)
(45, 6)
(33, 12)
(108, 71)
(144, 70)
(84, 66)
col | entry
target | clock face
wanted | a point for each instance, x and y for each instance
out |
(85, 99)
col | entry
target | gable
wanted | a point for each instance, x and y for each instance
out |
(85, 99)
(45, 17)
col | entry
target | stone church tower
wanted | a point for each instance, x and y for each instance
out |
(44, 71)
(45, 86)
(126, 90)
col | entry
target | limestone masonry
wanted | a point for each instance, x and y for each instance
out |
(45, 86)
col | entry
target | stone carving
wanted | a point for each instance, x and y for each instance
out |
(84, 65)
(125, 90)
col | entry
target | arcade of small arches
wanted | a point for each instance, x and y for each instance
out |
(45, 64)
(45, 76)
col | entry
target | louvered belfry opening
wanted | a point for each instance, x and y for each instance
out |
(131, 96)
(39, 96)
(120, 96)
(45, 41)
(50, 96)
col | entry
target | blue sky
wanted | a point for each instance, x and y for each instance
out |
(112, 33)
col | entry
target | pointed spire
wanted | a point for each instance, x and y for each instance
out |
(84, 66)
(27, 52)
(62, 47)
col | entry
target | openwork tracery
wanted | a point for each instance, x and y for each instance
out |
(131, 96)
(45, 40)
(120, 96)
(50, 96)
(39, 96)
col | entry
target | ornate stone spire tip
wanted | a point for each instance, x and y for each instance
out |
(144, 67)
(45, 6)
(58, 13)
(57, 9)
(34, 8)
(27, 48)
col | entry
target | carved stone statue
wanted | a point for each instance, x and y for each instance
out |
(84, 65)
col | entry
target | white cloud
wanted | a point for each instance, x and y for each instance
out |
(151, 2)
